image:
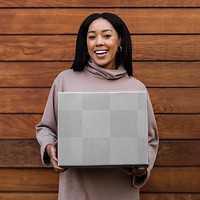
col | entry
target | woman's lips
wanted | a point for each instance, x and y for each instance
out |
(100, 53)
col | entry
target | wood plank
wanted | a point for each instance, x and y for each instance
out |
(42, 74)
(25, 180)
(37, 48)
(23, 100)
(171, 74)
(29, 196)
(62, 21)
(175, 100)
(171, 153)
(30, 74)
(170, 179)
(61, 48)
(12, 155)
(178, 126)
(164, 100)
(29, 180)
(102, 3)
(178, 153)
(53, 196)
(170, 47)
(18, 126)
(170, 126)
(172, 196)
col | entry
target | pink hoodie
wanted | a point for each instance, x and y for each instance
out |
(94, 184)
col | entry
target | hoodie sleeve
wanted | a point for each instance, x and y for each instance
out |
(153, 140)
(46, 130)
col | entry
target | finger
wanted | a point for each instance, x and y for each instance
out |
(56, 167)
(53, 153)
(127, 171)
(134, 170)
(140, 171)
(55, 150)
(59, 169)
(54, 162)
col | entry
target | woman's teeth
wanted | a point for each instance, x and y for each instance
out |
(99, 52)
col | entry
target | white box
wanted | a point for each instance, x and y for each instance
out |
(102, 129)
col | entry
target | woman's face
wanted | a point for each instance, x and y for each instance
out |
(102, 43)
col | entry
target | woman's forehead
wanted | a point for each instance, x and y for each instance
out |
(100, 24)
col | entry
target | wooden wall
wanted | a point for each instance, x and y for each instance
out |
(37, 40)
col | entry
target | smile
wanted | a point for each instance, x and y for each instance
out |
(100, 52)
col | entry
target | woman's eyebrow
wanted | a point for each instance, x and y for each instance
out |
(105, 30)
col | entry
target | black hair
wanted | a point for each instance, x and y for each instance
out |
(123, 57)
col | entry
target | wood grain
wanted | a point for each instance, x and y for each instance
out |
(178, 153)
(171, 153)
(178, 126)
(61, 48)
(102, 3)
(168, 74)
(164, 100)
(172, 196)
(170, 179)
(39, 180)
(175, 100)
(28, 180)
(29, 196)
(28, 100)
(18, 126)
(31, 48)
(20, 153)
(30, 74)
(62, 21)
(53, 196)
(42, 74)
(171, 47)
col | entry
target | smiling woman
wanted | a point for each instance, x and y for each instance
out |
(105, 32)
(102, 43)
(103, 62)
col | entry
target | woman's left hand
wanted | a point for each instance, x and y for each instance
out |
(51, 150)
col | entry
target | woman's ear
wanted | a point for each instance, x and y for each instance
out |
(119, 41)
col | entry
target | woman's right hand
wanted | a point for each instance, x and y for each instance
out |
(52, 152)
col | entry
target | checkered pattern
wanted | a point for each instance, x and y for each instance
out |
(102, 129)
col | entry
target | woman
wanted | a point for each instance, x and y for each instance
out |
(103, 62)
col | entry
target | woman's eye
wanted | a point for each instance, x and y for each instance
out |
(91, 37)
(107, 36)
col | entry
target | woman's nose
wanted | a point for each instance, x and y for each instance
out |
(99, 41)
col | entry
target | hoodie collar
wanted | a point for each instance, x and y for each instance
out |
(100, 72)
